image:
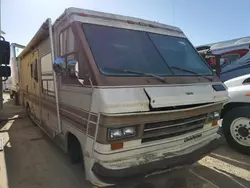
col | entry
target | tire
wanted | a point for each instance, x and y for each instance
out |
(236, 129)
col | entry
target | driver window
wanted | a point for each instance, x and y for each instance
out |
(68, 51)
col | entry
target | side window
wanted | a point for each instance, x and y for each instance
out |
(34, 71)
(31, 70)
(47, 81)
(68, 51)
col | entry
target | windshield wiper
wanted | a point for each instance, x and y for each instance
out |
(190, 71)
(138, 72)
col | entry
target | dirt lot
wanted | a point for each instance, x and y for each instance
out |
(33, 161)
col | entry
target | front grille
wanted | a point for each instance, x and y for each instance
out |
(168, 129)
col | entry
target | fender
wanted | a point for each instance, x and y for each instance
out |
(238, 81)
(238, 91)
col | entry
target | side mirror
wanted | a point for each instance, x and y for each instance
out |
(5, 71)
(73, 68)
(4, 52)
(59, 65)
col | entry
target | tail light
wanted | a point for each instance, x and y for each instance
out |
(211, 61)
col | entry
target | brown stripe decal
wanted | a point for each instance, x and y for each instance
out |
(78, 118)
(74, 116)
(157, 117)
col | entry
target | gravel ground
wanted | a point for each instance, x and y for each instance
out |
(33, 161)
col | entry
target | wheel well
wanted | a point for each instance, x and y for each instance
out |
(73, 143)
(230, 106)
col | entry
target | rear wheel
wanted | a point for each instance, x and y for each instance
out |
(236, 128)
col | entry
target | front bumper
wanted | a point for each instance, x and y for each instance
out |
(112, 176)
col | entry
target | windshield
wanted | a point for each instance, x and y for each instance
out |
(122, 49)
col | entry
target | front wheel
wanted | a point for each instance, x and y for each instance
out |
(236, 129)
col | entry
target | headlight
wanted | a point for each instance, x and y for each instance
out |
(120, 133)
(115, 133)
(214, 116)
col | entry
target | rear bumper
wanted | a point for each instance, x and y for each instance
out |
(112, 176)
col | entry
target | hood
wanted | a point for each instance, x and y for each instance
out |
(127, 100)
(183, 95)
(238, 81)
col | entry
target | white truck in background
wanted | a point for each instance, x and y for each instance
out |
(234, 57)
(7, 85)
(236, 114)
(15, 50)
(231, 61)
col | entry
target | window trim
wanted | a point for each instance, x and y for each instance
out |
(45, 92)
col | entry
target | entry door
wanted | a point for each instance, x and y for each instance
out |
(35, 86)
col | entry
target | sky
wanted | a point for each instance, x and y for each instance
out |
(203, 21)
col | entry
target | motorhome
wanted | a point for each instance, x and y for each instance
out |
(234, 57)
(15, 50)
(126, 97)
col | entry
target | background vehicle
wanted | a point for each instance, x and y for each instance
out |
(4, 68)
(7, 85)
(15, 50)
(128, 97)
(236, 114)
(234, 57)
(231, 60)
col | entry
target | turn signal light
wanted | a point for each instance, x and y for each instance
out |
(116, 146)
(214, 123)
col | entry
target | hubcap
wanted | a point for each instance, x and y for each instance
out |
(240, 131)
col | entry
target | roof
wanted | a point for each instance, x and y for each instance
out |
(41, 34)
(109, 16)
(226, 44)
(43, 31)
